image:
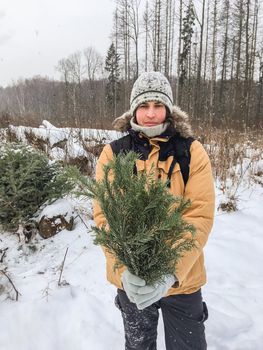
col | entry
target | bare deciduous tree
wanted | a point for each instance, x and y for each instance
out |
(93, 63)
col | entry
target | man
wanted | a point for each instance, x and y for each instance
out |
(161, 134)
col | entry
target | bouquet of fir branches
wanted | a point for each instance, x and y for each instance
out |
(145, 229)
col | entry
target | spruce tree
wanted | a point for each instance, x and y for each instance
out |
(113, 84)
(28, 180)
(145, 226)
(187, 33)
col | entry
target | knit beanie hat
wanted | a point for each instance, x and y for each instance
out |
(151, 86)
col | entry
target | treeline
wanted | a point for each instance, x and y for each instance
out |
(212, 52)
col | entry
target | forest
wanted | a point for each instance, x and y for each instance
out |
(211, 51)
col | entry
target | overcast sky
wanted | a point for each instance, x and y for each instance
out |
(36, 34)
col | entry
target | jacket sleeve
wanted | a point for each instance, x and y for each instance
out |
(200, 190)
(105, 156)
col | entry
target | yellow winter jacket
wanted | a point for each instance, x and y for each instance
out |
(190, 270)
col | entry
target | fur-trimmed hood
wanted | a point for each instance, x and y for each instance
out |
(178, 117)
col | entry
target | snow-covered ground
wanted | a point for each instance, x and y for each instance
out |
(80, 313)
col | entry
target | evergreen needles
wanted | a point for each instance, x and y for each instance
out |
(145, 225)
(27, 181)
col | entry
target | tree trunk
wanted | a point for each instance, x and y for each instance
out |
(198, 92)
(213, 64)
(177, 96)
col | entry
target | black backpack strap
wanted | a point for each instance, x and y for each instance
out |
(182, 155)
(124, 144)
(171, 171)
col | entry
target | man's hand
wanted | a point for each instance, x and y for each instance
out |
(131, 284)
(147, 295)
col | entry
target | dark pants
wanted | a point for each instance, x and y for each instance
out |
(183, 317)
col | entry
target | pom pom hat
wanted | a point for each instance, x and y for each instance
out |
(151, 86)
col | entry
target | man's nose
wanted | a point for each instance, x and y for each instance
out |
(151, 112)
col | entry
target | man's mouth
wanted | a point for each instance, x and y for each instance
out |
(150, 124)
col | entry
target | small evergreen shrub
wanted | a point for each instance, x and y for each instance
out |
(28, 181)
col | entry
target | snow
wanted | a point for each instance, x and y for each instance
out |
(72, 316)
(53, 135)
(80, 312)
(60, 207)
(63, 143)
(234, 265)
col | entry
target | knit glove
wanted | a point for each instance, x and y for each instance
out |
(131, 284)
(147, 295)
